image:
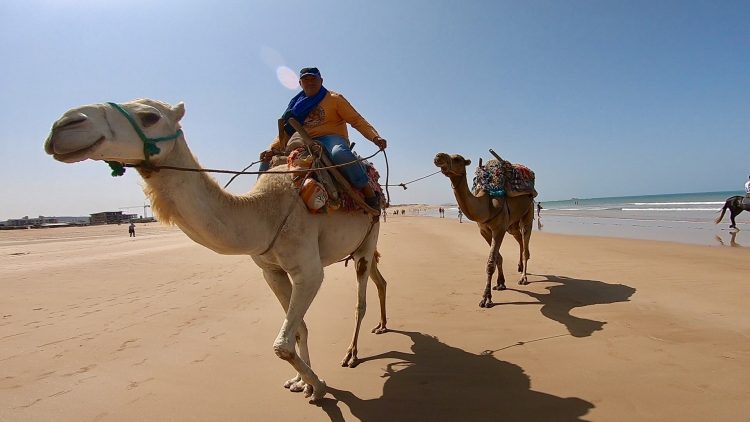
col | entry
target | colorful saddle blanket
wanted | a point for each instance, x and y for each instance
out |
(299, 159)
(501, 178)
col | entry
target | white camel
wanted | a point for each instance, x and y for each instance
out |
(270, 223)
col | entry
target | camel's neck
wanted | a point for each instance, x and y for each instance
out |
(212, 217)
(475, 209)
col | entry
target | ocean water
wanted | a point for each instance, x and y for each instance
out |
(683, 217)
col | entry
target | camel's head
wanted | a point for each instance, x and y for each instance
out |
(110, 132)
(451, 165)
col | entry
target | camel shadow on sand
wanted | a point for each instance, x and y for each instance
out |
(437, 382)
(573, 293)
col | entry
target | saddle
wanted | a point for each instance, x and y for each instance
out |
(325, 190)
(499, 178)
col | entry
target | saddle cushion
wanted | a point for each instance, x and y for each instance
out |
(499, 179)
(315, 194)
(349, 205)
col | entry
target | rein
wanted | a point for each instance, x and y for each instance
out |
(281, 226)
(153, 167)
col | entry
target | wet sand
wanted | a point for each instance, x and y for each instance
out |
(95, 325)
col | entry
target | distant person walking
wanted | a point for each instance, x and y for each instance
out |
(131, 229)
(538, 209)
(460, 216)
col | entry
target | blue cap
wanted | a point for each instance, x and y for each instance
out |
(309, 71)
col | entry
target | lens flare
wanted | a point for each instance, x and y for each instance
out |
(287, 77)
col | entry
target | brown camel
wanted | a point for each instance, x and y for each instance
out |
(494, 216)
(270, 223)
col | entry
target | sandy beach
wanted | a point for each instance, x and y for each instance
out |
(97, 326)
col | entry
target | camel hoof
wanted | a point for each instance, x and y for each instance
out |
(485, 303)
(308, 390)
(291, 382)
(499, 287)
(319, 393)
(380, 329)
(353, 363)
(523, 281)
(298, 386)
(350, 357)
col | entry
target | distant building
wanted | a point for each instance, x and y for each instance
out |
(30, 222)
(111, 217)
(43, 221)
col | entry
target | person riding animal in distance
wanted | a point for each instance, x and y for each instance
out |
(324, 115)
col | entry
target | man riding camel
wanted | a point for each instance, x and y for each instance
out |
(324, 115)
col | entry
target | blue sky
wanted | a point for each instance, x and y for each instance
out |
(599, 98)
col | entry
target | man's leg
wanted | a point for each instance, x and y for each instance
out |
(340, 153)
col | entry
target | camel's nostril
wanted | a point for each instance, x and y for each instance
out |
(71, 121)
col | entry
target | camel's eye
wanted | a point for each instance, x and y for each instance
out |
(148, 119)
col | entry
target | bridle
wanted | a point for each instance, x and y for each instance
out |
(149, 144)
(449, 172)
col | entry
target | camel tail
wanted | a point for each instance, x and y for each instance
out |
(723, 210)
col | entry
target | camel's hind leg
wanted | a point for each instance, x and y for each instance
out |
(281, 286)
(363, 272)
(381, 284)
(306, 280)
(523, 237)
(526, 228)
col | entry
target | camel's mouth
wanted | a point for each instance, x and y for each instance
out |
(80, 155)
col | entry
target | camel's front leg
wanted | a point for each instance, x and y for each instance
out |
(487, 234)
(363, 270)
(500, 275)
(486, 301)
(305, 284)
(279, 282)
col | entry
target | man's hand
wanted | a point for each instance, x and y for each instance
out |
(266, 155)
(380, 142)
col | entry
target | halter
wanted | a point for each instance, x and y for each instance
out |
(149, 144)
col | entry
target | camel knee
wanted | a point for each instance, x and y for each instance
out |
(284, 349)
(490, 267)
(284, 354)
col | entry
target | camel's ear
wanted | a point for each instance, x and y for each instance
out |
(467, 162)
(179, 110)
